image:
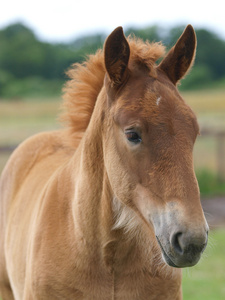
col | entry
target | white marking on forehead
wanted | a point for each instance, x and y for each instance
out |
(158, 100)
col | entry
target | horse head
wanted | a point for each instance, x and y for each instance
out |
(149, 135)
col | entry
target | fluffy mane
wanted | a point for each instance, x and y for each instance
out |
(86, 81)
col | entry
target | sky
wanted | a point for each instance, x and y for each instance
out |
(65, 20)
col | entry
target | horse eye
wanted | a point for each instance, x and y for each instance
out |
(133, 137)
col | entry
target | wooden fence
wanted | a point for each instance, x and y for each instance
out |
(7, 149)
(219, 136)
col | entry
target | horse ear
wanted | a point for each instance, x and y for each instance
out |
(117, 53)
(181, 57)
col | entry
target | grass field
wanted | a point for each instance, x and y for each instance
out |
(21, 119)
(206, 281)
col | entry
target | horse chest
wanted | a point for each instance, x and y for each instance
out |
(97, 283)
(109, 288)
(142, 285)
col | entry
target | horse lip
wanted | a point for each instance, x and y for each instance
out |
(166, 257)
(182, 263)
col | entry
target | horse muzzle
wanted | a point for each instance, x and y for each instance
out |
(183, 249)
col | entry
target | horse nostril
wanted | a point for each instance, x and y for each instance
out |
(176, 244)
(184, 244)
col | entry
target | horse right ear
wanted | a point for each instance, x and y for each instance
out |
(181, 57)
(117, 53)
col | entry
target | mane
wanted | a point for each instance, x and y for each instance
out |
(86, 81)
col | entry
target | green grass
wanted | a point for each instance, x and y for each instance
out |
(209, 183)
(21, 119)
(206, 281)
(209, 102)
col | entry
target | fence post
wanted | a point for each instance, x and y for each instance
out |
(221, 156)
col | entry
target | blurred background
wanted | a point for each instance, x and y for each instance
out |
(40, 40)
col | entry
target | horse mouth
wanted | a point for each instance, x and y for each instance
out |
(188, 258)
(166, 257)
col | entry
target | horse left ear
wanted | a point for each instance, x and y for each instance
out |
(117, 53)
(181, 57)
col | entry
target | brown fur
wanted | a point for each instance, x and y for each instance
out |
(86, 80)
(81, 207)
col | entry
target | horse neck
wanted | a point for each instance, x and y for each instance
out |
(92, 193)
(96, 212)
(92, 208)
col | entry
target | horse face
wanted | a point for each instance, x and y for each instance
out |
(149, 139)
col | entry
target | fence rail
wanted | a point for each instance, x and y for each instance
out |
(219, 136)
(7, 148)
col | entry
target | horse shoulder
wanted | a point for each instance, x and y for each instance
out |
(40, 148)
(22, 185)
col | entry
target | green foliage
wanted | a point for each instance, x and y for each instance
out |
(24, 59)
(199, 77)
(211, 50)
(31, 87)
(153, 33)
(209, 183)
(22, 55)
